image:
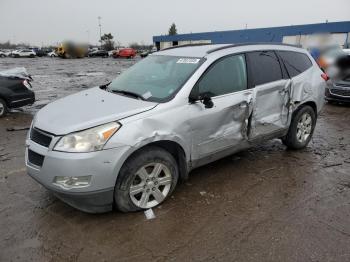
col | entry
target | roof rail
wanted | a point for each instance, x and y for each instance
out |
(244, 44)
(186, 45)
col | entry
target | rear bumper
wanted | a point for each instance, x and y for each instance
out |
(23, 99)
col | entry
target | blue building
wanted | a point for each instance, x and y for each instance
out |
(303, 35)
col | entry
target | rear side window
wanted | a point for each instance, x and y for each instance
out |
(295, 62)
(226, 76)
(264, 67)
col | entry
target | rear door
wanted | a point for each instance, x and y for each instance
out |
(271, 94)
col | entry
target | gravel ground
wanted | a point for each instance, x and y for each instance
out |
(263, 204)
(55, 77)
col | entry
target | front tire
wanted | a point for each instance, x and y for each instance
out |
(146, 179)
(301, 128)
(3, 108)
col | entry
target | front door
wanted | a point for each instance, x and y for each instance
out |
(225, 124)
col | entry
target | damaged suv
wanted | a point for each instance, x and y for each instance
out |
(128, 143)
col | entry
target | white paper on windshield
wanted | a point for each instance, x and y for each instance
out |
(188, 61)
(147, 95)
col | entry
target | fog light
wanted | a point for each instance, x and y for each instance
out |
(68, 182)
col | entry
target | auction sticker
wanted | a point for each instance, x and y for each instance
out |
(188, 61)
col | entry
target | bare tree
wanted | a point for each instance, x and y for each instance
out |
(107, 40)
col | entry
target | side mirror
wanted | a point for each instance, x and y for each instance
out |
(206, 100)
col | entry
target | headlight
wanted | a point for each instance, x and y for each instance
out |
(89, 140)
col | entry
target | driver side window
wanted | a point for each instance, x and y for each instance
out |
(225, 76)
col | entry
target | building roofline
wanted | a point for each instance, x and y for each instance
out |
(316, 27)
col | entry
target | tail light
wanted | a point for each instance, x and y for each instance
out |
(325, 77)
(27, 84)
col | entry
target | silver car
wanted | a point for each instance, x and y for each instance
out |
(127, 144)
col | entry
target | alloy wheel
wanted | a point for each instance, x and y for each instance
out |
(151, 185)
(304, 127)
(2, 109)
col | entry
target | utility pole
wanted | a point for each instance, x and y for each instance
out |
(99, 24)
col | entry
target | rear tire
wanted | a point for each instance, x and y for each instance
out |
(146, 179)
(3, 108)
(301, 128)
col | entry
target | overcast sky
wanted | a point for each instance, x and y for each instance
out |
(51, 21)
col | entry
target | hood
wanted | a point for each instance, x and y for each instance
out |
(342, 83)
(87, 109)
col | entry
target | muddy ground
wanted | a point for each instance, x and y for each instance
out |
(264, 204)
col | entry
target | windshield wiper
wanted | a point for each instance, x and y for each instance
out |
(127, 93)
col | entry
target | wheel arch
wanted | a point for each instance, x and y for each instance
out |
(3, 98)
(174, 148)
(310, 103)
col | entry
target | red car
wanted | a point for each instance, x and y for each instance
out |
(125, 52)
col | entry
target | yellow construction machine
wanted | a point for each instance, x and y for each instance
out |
(71, 50)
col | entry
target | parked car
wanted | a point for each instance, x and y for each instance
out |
(15, 90)
(6, 53)
(125, 52)
(338, 91)
(110, 53)
(23, 53)
(146, 53)
(40, 52)
(129, 142)
(98, 53)
(52, 54)
(2, 53)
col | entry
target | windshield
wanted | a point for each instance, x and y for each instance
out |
(156, 78)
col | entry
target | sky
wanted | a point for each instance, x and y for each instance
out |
(45, 22)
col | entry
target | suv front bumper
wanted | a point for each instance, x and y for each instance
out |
(103, 167)
(338, 94)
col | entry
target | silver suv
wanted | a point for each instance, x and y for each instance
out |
(128, 143)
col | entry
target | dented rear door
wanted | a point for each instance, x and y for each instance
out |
(272, 88)
(270, 111)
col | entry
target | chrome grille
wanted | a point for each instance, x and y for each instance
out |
(340, 92)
